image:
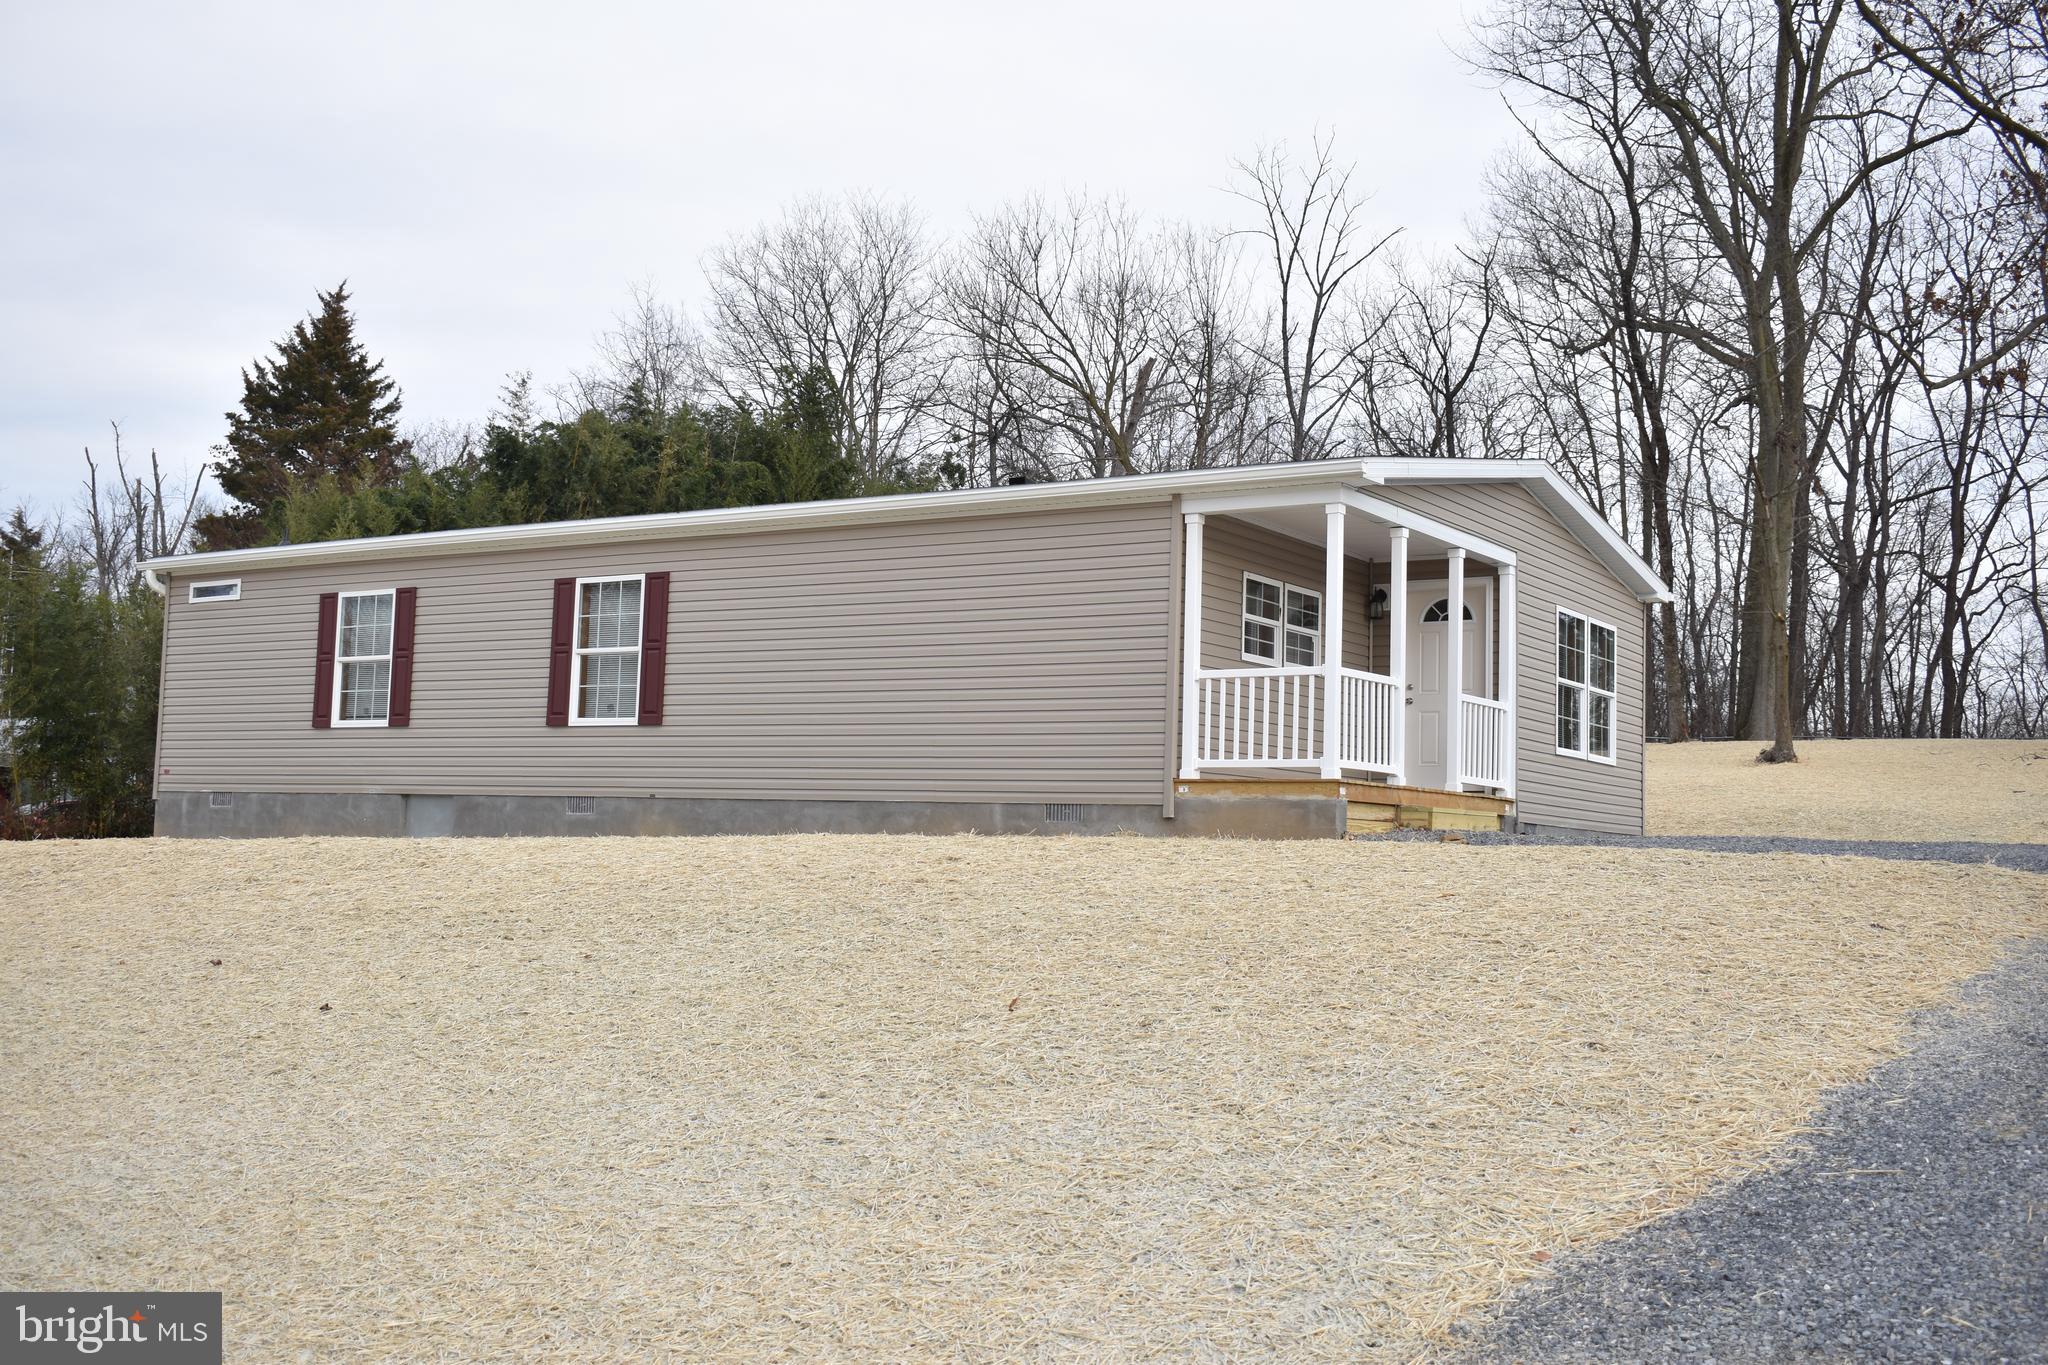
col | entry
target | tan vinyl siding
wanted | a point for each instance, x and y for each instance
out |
(1553, 569)
(991, 658)
(1232, 548)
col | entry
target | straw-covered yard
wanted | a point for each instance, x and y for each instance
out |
(894, 1098)
(1995, 790)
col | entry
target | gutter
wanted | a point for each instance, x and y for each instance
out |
(775, 516)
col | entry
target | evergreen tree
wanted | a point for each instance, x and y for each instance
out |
(627, 458)
(80, 688)
(21, 541)
(320, 407)
(806, 462)
(515, 404)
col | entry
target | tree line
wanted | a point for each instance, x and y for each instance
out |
(1765, 280)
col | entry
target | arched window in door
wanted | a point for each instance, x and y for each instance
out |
(1440, 611)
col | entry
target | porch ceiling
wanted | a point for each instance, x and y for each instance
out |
(1364, 537)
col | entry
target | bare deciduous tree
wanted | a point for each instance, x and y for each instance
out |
(1219, 389)
(138, 517)
(1310, 227)
(1434, 334)
(842, 290)
(1075, 296)
(650, 358)
(1771, 120)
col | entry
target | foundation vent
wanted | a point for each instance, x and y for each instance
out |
(221, 800)
(1065, 814)
(582, 805)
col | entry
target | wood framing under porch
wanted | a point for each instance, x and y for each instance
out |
(1371, 807)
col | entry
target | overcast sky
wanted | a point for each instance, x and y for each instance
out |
(179, 180)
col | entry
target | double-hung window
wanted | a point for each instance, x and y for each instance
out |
(362, 657)
(1282, 623)
(1585, 687)
(605, 681)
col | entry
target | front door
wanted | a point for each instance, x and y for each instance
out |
(1429, 696)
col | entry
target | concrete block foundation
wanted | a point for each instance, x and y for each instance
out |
(254, 815)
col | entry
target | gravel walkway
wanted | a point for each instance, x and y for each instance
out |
(2021, 857)
(1912, 1226)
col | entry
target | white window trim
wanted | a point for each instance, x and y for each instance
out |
(577, 652)
(340, 616)
(235, 584)
(1243, 617)
(1587, 691)
(1316, 635)
(1279, 624)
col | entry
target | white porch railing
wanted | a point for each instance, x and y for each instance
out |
(1365, 731)
(1272, 718)
(1484, 734)
(1257, 717)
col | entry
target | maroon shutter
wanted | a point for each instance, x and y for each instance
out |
(401, 655)
(558, 657)
(653, 646)
(323, 662)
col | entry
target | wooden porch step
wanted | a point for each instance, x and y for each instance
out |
(1372, 807)
(1351, 789)
(1364, 817)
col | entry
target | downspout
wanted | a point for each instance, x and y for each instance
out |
(1173, 662)
(162, 588)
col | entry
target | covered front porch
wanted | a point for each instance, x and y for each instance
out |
(1334, 634)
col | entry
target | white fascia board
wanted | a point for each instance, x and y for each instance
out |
(780, 516)
(1559, 498)
(1312, 495)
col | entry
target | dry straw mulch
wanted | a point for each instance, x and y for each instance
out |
(1971, 789)
(900, 1098)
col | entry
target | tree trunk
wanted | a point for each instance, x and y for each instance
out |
(1767, 609)
(1798, 684)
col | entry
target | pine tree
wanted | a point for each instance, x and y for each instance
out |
(21, 541)
(514, 412)
(320, 407)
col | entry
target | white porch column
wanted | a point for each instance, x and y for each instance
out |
(1397, 647)
(1507, 676)
(1190, 644)
(1454, 668)
(1333, 637)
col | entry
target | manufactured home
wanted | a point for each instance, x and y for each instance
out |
(1278, 650)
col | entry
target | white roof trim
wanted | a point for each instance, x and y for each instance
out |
(1558, 497)
(786, 515)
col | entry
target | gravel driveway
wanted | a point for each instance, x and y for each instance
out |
(2021, 857)
(1913, 1225)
